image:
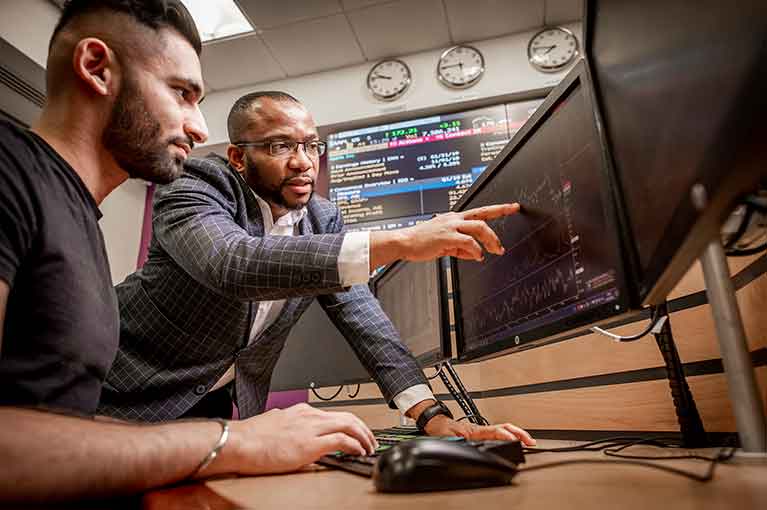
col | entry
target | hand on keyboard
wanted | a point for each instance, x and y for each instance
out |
(284, 440)
(444, 426)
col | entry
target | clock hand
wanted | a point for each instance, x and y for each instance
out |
(452, 65)
(381, 76)
(549, 50)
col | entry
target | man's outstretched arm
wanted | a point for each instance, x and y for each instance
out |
(456, 234)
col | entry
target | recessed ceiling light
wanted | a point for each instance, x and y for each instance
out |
(216, 19)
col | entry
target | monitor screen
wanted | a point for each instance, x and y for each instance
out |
(388, 176)
(412, 295)
(681, 90)
(316, 353)
(563, 266)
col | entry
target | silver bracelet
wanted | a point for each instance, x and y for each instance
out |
(211, 456)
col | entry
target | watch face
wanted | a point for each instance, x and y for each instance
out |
(389, 79)
(460, 67)
(552, 49)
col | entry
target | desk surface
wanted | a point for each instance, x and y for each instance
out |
(742, 486)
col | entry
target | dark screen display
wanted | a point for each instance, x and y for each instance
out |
(562, 263)
(393, 175)
(409, 293)
(681, 87)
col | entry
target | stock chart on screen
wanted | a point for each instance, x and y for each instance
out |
(563, 266)
(393, 175)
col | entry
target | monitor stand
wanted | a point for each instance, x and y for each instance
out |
(458, 392)
(690, 424)
(741, 380)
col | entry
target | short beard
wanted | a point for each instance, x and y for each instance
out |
(271, 195)
(132, 137)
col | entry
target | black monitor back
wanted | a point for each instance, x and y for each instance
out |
(316, 353)
(682, 87)
(414, 296)
(563, 269)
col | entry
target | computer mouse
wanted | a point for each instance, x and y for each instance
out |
(435, 465)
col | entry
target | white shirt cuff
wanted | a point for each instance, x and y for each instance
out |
(354, 259)
(406, 399)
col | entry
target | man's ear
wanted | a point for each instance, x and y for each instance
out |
(236, 158)
(94, 63)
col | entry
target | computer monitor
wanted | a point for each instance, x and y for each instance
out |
(682, 89)
(413, 295)
(563, 269)
(316, 353)
(388, 175)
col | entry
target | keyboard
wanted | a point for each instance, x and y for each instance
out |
(363, 465)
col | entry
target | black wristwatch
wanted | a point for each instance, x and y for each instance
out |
(430, 412)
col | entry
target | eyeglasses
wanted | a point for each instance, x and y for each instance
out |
(312, 148)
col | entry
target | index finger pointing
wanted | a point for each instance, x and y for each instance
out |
(490, 212)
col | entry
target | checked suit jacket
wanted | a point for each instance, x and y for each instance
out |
(186, 316)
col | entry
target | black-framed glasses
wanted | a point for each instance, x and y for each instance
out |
(314, 148)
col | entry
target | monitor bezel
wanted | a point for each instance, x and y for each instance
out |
(433, 357)
(559, 330)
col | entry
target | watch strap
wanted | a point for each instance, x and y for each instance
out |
(430, 412)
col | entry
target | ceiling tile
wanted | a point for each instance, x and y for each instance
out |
(562, 11)
(273, 13)
(315, 45)
(483, 19)
(400, 28)
(239, 61)
(356, 4)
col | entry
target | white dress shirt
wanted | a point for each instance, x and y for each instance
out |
(353, 269)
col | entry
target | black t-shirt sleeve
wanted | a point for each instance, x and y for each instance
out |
(17, 217)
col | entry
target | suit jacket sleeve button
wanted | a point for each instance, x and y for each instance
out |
(201, 389)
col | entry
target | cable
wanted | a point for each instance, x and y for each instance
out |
(311, 387)
(741, 228)
(438, 369)
(752, 204)
(357, 392)
(612, 447)
(593, 445)
(614, 452)
(700, 478)
(655, 320)
(747, 252)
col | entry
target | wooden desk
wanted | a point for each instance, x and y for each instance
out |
(735, 486)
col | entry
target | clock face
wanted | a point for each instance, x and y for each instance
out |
(460, 67)
(551, 49)
(389, 79)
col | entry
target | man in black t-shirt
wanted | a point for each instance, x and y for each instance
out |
(124, 85)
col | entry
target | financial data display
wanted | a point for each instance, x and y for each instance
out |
(562, 263)
(409, 293)
(395, 175)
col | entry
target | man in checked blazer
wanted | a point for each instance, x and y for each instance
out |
(240, 248)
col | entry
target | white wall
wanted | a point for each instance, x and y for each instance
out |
(121, 224)
(28, 25)
(340, 95)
